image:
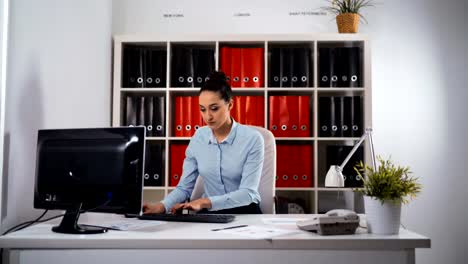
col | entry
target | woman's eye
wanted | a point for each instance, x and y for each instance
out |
(214, 109)
(203, 110)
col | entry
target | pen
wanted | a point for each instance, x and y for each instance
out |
(231, 227)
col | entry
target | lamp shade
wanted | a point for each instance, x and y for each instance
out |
(335, 177)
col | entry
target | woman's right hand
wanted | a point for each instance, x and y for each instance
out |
(154, 208)
(177, 208)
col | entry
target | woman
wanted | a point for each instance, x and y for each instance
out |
(228, 155)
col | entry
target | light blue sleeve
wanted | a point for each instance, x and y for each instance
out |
(184, 189)
(248, 188)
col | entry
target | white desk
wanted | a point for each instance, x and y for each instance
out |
(196, 243)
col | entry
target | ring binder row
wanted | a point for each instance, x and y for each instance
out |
(147, 111)
(340, 67)
(144, 67)
(290, 115)
(290, 67)
(294, 165)
(340, 116)
(191, 66)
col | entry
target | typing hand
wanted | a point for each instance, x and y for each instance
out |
(153, 208)
(198, 204)
(177, 208)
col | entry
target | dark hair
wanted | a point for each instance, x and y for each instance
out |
(217, 83)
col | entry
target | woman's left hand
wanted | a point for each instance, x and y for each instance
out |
(198, 204)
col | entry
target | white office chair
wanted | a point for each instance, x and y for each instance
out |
(267, 179)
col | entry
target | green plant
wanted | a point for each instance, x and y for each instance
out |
(348, 6)
(388, 182)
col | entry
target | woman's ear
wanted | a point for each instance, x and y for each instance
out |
(231, 104)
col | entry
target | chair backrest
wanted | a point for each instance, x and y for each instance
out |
(266, 187)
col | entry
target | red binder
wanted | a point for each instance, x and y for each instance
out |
(304, 116)
(260, 104)
(225, 62)
(252, 69)
(179, 115)
(283, 116)
(250, 110)
(187, 116)
(273, 118)
(281, 156)
(306, 159)
(177, 160)
(293, 107)
(236, 63)
(196, 115)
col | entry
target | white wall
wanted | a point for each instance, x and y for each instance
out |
(419, 61)
(59, 76)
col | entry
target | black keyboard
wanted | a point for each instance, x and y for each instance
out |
(203, 218)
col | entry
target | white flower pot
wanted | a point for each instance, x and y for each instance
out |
(383, 219)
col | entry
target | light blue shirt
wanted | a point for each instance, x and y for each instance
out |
(231, 170)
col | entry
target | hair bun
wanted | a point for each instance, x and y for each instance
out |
(218, 76)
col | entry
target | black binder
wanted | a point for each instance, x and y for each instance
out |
(337, 154)
(327, 67)
(336, 120)
(148, 121)
(141, 111)
(287, 62)
(159, 110)
(155, 67)
(302, 73)
(130, 111)
(343, 66)
(324, 115)
(203, 63)
(154, 173)
(274, 78)
(182, 67)
(355, 67)
(133, 67)
(346, 110)
(357, 116)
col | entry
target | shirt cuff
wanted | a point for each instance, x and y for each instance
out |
(217, 203)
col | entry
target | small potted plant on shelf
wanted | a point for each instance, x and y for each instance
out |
(347, 13)
(385, 189)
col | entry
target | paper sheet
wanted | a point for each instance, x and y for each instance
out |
(281, 221)
(259, 232)
(128, 225)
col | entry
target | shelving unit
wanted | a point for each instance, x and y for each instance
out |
(316, 198)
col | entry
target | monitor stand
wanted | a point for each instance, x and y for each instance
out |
(69, 224)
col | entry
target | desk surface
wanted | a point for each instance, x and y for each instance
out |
(200, 236)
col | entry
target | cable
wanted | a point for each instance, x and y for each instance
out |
(38, 220)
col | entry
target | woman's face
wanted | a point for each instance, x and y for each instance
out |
(215, 111)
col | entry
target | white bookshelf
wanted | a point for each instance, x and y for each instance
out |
(317, 197)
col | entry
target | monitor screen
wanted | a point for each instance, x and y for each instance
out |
(83, 169)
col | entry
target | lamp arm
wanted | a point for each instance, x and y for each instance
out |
(368, 133)
(353, 150)
(371, 146)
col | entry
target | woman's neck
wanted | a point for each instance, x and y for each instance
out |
(223, 131)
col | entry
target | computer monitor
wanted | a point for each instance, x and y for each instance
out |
(82, 169)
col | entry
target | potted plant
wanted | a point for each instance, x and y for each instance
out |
(348, 13)
(385, 188)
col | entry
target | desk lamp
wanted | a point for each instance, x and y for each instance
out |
(335, 177)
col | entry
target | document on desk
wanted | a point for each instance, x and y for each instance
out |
(130, 225)
(282, 221)
(259, 232)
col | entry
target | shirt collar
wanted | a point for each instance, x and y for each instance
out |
(229, 139)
